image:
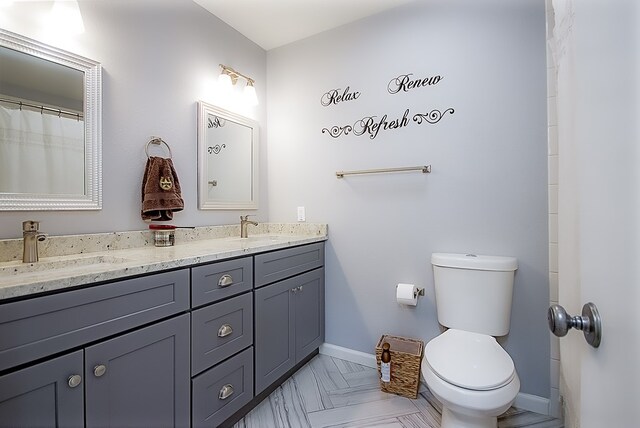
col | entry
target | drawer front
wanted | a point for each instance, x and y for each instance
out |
(277, 265)
(220, 392)
(41, 326)
(220, 330)
(217, 281)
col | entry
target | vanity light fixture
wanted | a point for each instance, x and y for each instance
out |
(229, 77)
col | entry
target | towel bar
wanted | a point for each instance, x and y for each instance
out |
(425, 169)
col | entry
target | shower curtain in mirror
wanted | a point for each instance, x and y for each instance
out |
(41, 152)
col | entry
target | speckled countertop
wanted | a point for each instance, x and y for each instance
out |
(73, 260)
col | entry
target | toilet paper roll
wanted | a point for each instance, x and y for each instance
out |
(407, 294)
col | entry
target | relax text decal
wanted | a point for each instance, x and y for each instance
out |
(372, 125)
(335, 96)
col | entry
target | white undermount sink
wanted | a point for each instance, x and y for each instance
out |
(259, 239)
(44, 264)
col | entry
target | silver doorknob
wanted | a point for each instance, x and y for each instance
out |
(560, 322)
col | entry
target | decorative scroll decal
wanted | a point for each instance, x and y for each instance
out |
(336, 131)
(432, 117)
(334, 96)
(371, 125)
(216, 149)
(404, 83)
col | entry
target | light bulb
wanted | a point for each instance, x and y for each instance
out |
(66, 18)
(224, 83)
(250, 96)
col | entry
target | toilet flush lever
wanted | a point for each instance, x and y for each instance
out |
(560, 322)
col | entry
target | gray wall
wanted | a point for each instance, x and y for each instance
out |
(487, 193)
(159, 58)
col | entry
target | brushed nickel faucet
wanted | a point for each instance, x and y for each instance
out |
(31, 235)
(244, 222)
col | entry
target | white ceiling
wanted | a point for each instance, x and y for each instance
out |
(274, 23)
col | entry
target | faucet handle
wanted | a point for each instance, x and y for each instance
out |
(246, 218)
(30, 226)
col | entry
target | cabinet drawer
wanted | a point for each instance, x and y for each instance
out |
(218, 281)
(212, 403)
(277, 265)
(220, 330)
(41, 326)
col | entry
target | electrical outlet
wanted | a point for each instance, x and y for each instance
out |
(301, 214)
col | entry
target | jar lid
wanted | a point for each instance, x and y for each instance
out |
(161, 227)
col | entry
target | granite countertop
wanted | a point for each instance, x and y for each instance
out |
(87, 259)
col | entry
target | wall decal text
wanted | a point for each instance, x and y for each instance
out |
(405, 82)
(371, 125)
(215, 122)
(334, 96)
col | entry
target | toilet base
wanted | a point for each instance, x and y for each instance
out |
(452, 419)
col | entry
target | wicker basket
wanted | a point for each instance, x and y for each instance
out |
(406, 356)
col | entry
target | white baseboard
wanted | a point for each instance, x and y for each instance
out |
(364, 359)
(532, 403)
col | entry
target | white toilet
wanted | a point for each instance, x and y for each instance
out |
(465, 368)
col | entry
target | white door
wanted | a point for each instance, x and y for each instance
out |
(597, 51)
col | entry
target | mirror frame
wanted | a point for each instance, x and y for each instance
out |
(92, 199)
(204, 109)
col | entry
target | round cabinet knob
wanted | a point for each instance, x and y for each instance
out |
(560, 323)
(99, 370)
(74, 380)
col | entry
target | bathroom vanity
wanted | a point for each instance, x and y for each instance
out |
(193, 345)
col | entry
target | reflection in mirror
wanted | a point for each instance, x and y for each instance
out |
(227, 159)
(50, 142)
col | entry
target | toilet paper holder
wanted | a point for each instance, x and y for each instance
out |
(419, 292)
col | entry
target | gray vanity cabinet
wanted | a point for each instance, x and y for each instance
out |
(141, 378)
(48, 394)
(289, 314)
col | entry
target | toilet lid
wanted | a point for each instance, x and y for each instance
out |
(469, 360)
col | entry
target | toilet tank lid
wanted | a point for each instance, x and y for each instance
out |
(474, 261)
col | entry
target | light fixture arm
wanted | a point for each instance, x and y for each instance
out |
(235, 74)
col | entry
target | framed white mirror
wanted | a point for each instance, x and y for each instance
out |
(227, 159)
(50, 127)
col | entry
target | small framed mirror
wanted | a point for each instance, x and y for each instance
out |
(227, 160)
(50, 127)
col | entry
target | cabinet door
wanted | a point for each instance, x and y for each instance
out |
(140, 378)
(274, 333)
(44, 395)
(309, 306)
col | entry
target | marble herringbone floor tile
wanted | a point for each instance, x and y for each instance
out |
(328, 392)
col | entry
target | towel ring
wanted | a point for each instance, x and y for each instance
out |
(157, 141)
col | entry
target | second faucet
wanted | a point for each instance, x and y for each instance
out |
(244, 222)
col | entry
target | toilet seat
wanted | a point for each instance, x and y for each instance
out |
(469, 360)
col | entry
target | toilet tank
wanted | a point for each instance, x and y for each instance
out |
(474, 292)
